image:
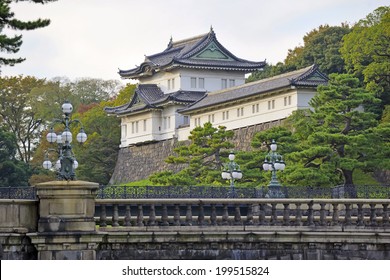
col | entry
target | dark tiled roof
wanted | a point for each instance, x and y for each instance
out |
(149, 96)
(309, 76)
(188, 53)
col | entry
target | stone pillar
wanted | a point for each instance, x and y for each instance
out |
(66, 226)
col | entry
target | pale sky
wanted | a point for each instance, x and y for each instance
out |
(93, 38)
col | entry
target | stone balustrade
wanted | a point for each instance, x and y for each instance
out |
(338, 214)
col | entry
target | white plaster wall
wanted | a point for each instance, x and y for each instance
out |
(249, 117)
(212, 79)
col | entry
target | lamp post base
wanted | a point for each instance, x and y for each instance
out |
(275, 192)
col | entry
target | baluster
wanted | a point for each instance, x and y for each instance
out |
(201, 214)
(176, 215)
(373, 222)
(152, 215)
(237, 215)
(274, 216)
(347, 220)
(335, 216)
(322, 214)
(225, 215)
(360, 221)
(128, 216)
(164, 217)
(249, 215)
(103, 216)
(298, 214)
(213, 215)
(310, 214)
(189, 215)
(262, 214)
(385, 215)
(115, 216)
(286, 214)
(140, 216)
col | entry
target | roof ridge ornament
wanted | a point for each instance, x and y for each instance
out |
(170, 44)
(211, 33)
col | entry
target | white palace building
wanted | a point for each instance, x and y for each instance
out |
(198, 80)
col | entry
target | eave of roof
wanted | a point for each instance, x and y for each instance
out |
(298, 78)
(150, 96)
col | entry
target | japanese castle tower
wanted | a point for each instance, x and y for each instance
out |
(198, 80)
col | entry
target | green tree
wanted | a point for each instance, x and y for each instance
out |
(12, 171)
(321, 46)
(18, 114)
(337, 136)
(204, 157)
(7, 20)
(98, 155)
(366, 51)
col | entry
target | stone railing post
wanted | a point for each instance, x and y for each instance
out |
(66, 226)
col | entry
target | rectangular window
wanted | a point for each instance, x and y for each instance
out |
(257, 107)
(145, 121)
(193, 82)
(186, 119)
(287, 100)
(201, 82)
(169, 122)
(169, 84)
(173, 83)
(253, 109)
(211, 118)
(223, 83)
(124, 131)
(225, 115)
(132, 127)
(197, 121)
(232, 83)
(240, 112)
(136, 126)
(271, 104)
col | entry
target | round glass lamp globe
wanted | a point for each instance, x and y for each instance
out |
(67, 108)
(47, 164)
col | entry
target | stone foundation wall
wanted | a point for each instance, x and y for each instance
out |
(139, 162)
(241, 246)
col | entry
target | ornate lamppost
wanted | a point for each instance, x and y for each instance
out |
(231, 172)
(66, 163)
(274, 162)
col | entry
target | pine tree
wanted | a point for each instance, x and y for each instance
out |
(11, 44)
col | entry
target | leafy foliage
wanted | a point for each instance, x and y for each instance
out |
(339, 133)
(321, 46)
(203, 157)
(366, 52)
(18, 113)
(12, 171)
(98, 155)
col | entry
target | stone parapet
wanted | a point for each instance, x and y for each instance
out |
(18, 216)
(66, 206)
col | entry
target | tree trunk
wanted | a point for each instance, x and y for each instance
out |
(350, 189)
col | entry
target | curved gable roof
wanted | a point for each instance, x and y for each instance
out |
(202, 52)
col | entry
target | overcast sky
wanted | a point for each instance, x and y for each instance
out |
(93, 38)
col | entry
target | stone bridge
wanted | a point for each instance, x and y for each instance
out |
(68, 222)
